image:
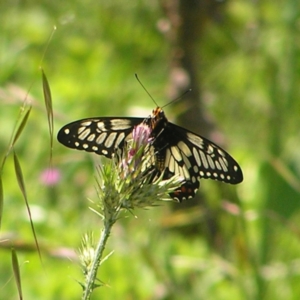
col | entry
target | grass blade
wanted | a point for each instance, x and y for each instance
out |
(19, 175)
(16, 269)
(16, 133)
(21, 127)
(21, 183)
(48, 104)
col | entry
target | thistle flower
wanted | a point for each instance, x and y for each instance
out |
(131, 180)
(133, 155)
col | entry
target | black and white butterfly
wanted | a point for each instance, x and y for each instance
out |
(177, 151)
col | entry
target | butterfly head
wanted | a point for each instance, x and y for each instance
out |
(158, 118)
(158, 112)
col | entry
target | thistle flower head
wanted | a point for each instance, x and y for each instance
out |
(134, 153)
(133, 181)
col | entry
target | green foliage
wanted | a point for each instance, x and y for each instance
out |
(249, 68)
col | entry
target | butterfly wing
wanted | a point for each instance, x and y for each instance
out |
(192, 157)
(100, 135)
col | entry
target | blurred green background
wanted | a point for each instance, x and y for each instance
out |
(232, 242)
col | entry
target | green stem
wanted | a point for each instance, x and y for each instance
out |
(92, 274)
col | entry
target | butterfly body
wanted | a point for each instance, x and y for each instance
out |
(176, 151)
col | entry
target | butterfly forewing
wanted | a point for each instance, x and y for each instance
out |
(205, 159)
(181, 152)
(100, 135)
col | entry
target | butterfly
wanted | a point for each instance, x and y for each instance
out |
(176, 150)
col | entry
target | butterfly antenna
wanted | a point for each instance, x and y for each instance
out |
(137, 78)
(178, 98)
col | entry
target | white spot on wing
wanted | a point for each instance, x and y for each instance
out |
(171, 162)
(120, 138)
(196, 156)
(176, 153)
(91, 137)
(84, 134)
(86, 123)
(210, 162)
(184, 148)
(224, 167)
(81, 129)
(101, 138)
(218, 165)
(222, 153)
(110, 139)
(185, 172)
(186, 161)
(120, 124)
(204, 160)
(210, 149)
(101, 126)
(196, 140)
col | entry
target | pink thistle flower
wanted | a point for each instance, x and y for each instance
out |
(133, 157)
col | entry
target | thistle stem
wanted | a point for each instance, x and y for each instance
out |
(92, 274)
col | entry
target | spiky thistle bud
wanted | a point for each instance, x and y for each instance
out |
(132, 181)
